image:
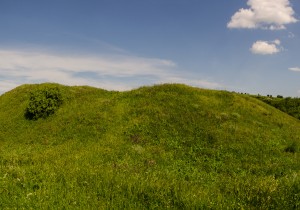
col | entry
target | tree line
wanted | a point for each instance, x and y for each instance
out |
(288, 105)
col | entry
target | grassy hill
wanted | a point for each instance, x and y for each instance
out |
(165, 146)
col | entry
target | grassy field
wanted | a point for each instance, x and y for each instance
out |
(161, 147)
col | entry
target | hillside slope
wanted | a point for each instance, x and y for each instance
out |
(165, 146)
(288, 105)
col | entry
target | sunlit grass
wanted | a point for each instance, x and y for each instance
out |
(166, 146)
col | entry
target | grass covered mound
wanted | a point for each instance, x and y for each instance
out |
(165, 146)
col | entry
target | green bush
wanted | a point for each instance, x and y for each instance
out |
(43, 102)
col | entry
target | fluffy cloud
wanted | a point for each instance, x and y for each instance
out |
(295, 69)
(266, 48)
(265, 14)
(112, 72)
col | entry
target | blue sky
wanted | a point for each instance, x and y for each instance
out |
(237, 45)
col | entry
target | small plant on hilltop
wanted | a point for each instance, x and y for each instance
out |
(43, 102)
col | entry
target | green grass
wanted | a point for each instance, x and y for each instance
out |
(165, 146)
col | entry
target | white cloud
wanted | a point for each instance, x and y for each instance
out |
(20, 62)
(266, 48)
(264, 14)
(277, 42)
(112, 72)
(295, 69)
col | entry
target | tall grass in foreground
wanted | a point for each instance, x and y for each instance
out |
(58, 178)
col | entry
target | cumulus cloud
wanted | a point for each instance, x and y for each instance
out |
(264, 14)
(295, 69)
(266, 48)
(112, 72)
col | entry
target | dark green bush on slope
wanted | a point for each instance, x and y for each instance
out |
(43, 102)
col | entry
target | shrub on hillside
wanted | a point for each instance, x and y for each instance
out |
(43, 102)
